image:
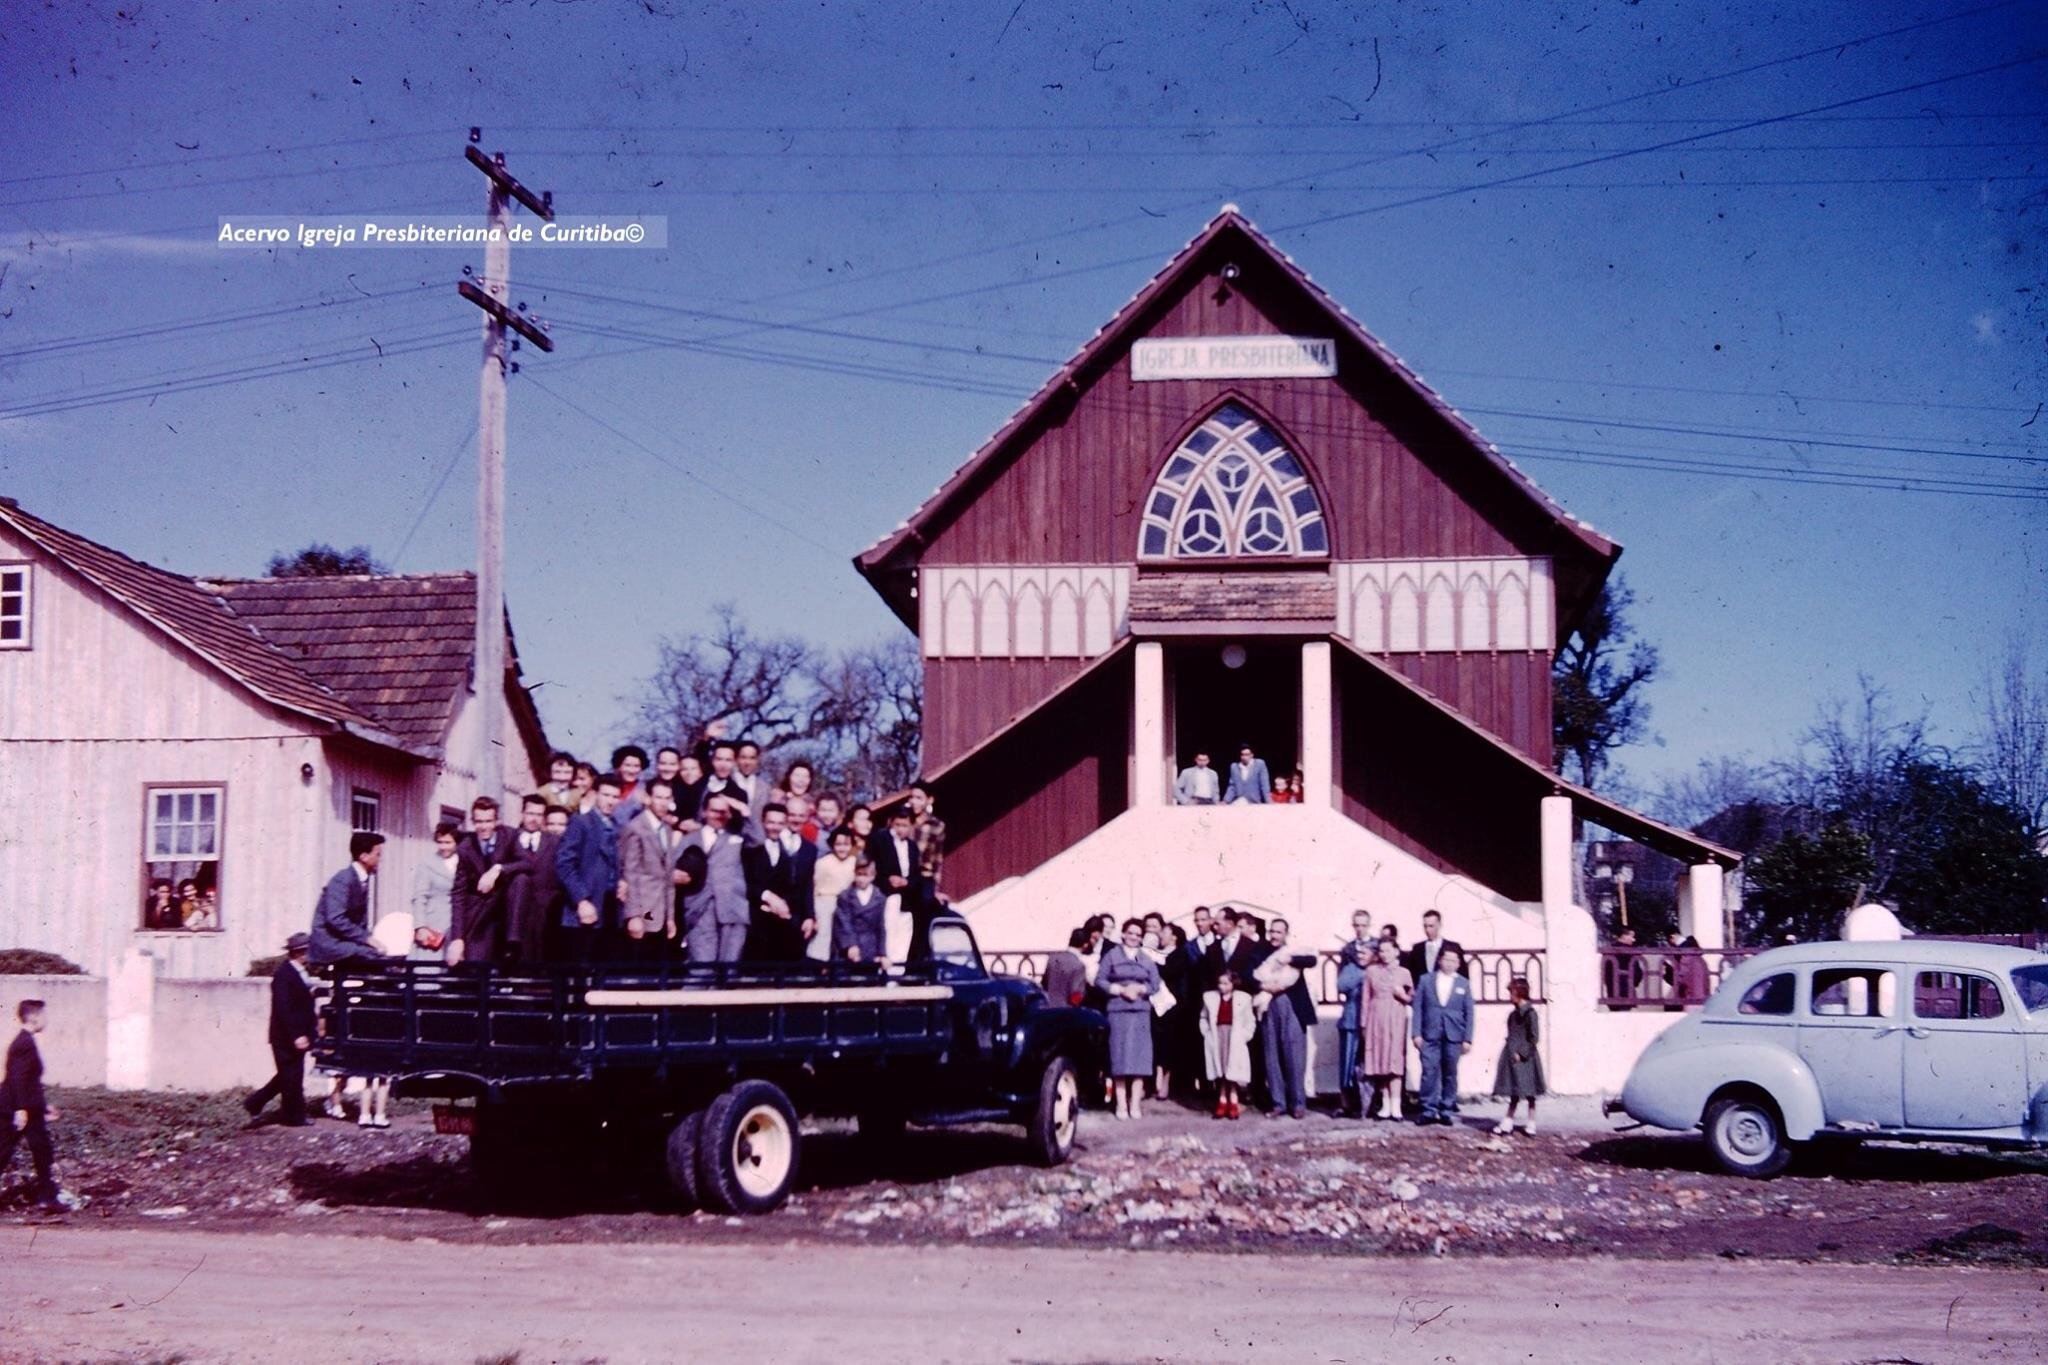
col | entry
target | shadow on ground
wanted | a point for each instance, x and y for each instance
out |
(1896, 1162)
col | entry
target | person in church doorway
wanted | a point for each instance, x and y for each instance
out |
(1250, 783)
(1198, 784)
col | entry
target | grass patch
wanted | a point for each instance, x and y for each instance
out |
(97, 1123)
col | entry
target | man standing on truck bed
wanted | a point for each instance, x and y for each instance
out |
(717, 911)
(587, 862)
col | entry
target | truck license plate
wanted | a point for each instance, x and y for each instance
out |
(454, 1121)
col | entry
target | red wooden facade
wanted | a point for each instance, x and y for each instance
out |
(1399, 476)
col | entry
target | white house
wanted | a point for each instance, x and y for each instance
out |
(230, 733)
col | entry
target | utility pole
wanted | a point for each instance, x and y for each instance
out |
(499, 316)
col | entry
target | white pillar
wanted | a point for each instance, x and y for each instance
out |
(1148, 725)
(1556, 851)
(1318, 726)
(1571, 965)
(1699, 911)
(131, 1020)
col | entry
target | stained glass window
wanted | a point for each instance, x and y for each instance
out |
(1233, 488)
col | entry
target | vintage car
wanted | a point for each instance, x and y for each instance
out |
(1920, 1040)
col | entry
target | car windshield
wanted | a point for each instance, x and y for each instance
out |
(2031, 985)
(953, 946)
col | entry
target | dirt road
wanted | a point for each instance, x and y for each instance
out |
(105, 1293)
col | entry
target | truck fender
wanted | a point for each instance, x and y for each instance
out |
(1672, 1090)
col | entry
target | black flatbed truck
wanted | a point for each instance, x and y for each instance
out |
(713, 1067)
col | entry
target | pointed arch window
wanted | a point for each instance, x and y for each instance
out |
(1233, 489)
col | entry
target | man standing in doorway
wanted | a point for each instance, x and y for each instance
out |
(1249, 780)
(1198, 785)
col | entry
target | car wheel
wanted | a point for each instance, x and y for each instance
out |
(683, 1142)
(1056, 1118)
(747, 1150)
(1747, 1137)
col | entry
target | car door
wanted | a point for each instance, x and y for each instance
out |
(1965, 1058)
(1852, 1038)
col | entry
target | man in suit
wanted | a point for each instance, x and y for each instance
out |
(533, 889)
(25, 1113)
(1290, 1015)
(899, 873)
(1421, 958)
(1198, 785)
(717, 911)
(1234, 951)
(1352, 960)
(483, 861)
(781, 918)
(724, 780)
(587, 862)
(1249, 780)
(648, 848)
(291, 1036)
(1066, 975)
(341, 919)
(1441, 1022)
(858, 933)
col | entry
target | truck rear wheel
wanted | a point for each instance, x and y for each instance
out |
(1056, 1119)
(683, 1141)
(747, 1150)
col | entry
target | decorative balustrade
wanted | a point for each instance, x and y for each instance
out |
(1664, 978)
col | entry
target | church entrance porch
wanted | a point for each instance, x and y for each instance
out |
(1223, 694)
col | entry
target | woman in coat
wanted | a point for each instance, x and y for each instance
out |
(1227, 1026)
(1128, 979)
(1519, 1076)
(433, 897)
(1169, 1029)
(1383, 1024)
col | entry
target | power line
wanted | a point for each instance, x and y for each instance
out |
(433, 495)
(126, 191)
(172, 162)
(1741, 433)
(209, 321)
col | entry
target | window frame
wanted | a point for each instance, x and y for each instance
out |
(150, 791)
(2007, 1003)
(1233, 518)
(1849, 971)
(27, 569)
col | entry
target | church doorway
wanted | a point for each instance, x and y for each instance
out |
(1227, 693)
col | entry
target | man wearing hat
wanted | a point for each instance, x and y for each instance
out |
(291, 1036)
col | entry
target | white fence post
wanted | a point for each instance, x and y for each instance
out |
(131, 1021)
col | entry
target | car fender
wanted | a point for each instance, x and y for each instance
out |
(1672, 1089)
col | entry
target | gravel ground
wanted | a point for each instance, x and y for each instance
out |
(1175, 1179)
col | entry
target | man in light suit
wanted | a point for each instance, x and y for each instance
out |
(717, 910)
(1199, 785)
(341, 921)
(648, 848)
(1249, 780)
(1421, 957)
(1441, 1022)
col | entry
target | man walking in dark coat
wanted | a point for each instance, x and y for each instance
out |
(341, 921)
(291, 1036)
(24, 1111)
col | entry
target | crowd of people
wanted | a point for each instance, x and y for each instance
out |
(1226, 1011)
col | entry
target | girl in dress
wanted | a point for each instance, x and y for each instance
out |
(1519, 1077)
(1227, 1043)
(1129, 978)
(831, 875)
(1384, 1023)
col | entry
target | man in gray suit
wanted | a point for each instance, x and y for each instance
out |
(341, 921)
(1199, 785)
(648, 848)
(716, 912)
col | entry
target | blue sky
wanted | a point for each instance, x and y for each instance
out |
(1855, 291)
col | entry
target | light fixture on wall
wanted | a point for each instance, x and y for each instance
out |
(306, 773)
(1233, 656)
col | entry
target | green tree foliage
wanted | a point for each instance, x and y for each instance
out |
(1802, 884)
(321, 560)
(1598, 678)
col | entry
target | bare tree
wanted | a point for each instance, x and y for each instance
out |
(1859, 769)
(871, 707)
(760, 686)
(1597, 684)
(2012, 738)
(1710, 788)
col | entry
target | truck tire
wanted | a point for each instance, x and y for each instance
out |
(683, 1142)
(1056, 1118)
(747, 1150)
(1746, 1135)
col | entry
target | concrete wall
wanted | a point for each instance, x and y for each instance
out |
(210, 1035)
(74, 1042)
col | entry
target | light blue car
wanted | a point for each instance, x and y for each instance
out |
(1915, 1040)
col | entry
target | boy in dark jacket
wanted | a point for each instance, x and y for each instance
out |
(291, 1036)
(24, 1112)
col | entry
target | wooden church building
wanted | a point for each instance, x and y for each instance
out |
(1233, 518)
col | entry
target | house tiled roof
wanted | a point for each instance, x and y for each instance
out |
(395, 647)
(1190, 597)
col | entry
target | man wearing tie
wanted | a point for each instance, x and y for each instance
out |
(778, 871)
(894, 855)
(716, 911)
(533, 891)
(587, 862)
(479, 886)
(647, 856)
(1199, 785)
(1441, 1021)
(341, 921)
(1421, 959)
(1249, 780)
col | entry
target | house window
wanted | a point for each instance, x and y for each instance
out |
(365, 816)
(14, 584)
(181, 857)
(1233, 489)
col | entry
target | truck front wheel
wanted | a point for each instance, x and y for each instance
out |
(1057, 1117)
(747, 1150)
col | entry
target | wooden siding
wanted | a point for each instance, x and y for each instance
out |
(1395, 481)
(1041, 788)
(1507, 693)
(1430, 786)
(967, 700)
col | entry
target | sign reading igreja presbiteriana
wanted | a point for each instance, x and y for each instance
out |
(1255, 357)
(398, 230)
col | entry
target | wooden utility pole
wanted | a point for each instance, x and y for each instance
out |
(499, 316)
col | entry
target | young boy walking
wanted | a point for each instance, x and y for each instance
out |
(24, 1112)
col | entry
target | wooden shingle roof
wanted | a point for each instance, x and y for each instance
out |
(1289, 597)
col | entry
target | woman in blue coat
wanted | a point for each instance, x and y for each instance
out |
(1129, 979)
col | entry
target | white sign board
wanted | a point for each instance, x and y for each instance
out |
(1256, 357)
